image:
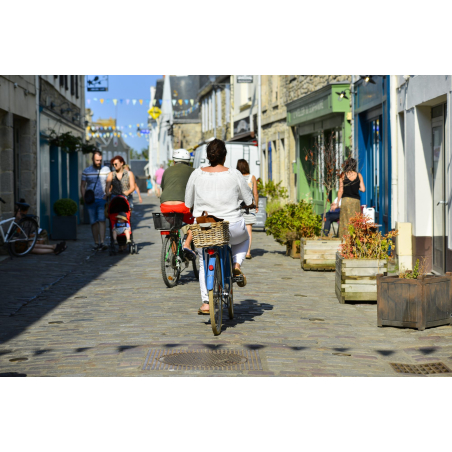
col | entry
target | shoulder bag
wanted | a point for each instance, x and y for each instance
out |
(89, 194)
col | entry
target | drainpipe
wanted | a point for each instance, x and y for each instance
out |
(38, 151)
(259, 125)
(394, 149)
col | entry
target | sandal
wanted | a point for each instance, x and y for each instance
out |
(190, 254)
(60, 248)
(238, 272)
(201, 312)
(248, 256)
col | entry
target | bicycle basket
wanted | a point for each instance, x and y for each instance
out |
(167, 221)
(216, 235)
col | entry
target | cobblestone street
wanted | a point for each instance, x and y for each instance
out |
(88, 314)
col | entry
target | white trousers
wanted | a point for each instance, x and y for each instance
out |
(239, 241)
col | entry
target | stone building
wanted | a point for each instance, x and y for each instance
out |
(215, 102)
(244, 108)
(316, 116)
(18, 142)
(62, 110)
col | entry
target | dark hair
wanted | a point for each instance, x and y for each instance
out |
(118, 157)
(243, 167)
(97, 152)
(350, 165)
(216, 152)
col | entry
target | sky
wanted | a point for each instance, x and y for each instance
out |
(124, 87)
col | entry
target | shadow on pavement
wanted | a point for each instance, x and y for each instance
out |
(246, 311)
(259, 252)
(35, 285)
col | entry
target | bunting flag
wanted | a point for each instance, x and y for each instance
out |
(115, 101)
(108, 101)
(178, 114)
(134, 101)
(191, 101)
(174, 101)
(101, 101)
(127, 101)
(89, 101)
(154, 101)
(181, 101)
(120, 101)
(141, 101)
(186, 101)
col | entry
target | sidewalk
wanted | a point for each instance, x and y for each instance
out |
(91, 314)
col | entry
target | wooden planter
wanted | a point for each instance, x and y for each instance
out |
(319, 254)
(293, 249)
(356, 279)
(414, 303)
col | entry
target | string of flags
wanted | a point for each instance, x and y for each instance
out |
(117, 131)
(178, 114)
(134, 102)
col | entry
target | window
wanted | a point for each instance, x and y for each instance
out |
(219, 108)
(227, 95)
(213, 110)
(209, 109)
(66, 82)
(203, 114)
(76, 86)
(72, 85)
(61, 80)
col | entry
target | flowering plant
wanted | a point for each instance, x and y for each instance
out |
(364, 241)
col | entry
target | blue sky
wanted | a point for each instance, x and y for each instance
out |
(124, 87)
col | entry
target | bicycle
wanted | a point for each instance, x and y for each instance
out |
(172, 254)
(22, 235)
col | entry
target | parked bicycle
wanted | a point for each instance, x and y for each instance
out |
(22, 234)
(173, 259)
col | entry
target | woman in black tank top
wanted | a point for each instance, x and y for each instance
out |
(351, 183)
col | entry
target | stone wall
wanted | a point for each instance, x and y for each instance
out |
(223, 132)
(186, 135)
(297, 86)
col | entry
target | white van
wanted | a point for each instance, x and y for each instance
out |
(236, 151)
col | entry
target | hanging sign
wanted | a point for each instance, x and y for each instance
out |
(244, 79)
(97, 83)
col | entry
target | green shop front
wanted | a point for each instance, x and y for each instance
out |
(318, 119)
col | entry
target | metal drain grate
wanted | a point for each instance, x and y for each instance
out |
(421, 369)
(182, 359)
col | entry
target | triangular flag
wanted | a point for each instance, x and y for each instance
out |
(180, 101)
(108, 101)
(141, 101)
(113, 127)
(186, 101)
(95, 99)
(89, 101)
(191, 101)
(134, 101)
(114, 134)
(127, 101)
(120, 100)
(160, 101)
(174, 101)
(115, 101)
(101, 101)
(130, 126)
(154, 101)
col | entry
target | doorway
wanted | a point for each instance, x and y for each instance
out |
(438, 190)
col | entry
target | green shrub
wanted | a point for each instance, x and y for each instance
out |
(293, 221)
(273, 206)
(65, 207)
(271, 190)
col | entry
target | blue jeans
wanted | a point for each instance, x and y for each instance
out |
(330, 217)
(96, 210)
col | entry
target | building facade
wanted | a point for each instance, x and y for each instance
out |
(19, 174)
(61, 110)
(214, 97)
(422, 174)
(317, 116)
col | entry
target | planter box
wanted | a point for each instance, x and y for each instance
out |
(295, 250)
(356, 279)
(319, 254)
(414, 303)
(64, 228)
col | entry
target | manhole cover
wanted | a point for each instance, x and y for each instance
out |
(16, 360)
(202, 359)
(421, 369)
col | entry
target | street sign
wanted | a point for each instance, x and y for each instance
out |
(261, 216)
(154, 112)
(97, 83)
(244, 79)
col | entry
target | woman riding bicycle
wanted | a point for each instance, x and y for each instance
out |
(219, 191)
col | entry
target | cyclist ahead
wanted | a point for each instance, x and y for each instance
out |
(174, 181)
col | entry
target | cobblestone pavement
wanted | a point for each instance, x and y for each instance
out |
(91, 314)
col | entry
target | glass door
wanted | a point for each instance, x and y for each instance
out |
(375, 148)
(439, 194)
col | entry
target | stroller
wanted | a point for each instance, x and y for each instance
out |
(117, 205)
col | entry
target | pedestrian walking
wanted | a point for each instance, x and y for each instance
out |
(92, 189)
(121, 181)
(149, 185)
(249, 215)
(350, 184)
(158, 181)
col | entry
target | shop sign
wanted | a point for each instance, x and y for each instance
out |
(242, 126)
(244, 79)
(309, 111)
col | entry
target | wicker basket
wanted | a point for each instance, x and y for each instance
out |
(216, 235)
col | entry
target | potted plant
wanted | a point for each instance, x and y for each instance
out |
(414, 299)
(291, 222)
(362, 256)
(64, 224)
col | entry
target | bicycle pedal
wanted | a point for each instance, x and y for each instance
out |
(237, 279)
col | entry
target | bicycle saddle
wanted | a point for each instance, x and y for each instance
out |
(22, 205)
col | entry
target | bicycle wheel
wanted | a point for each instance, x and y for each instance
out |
(170, 269)
(24, 237)
(215, 299)
(230, 288)
(195, 263)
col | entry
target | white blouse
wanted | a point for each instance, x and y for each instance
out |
(218, 194)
